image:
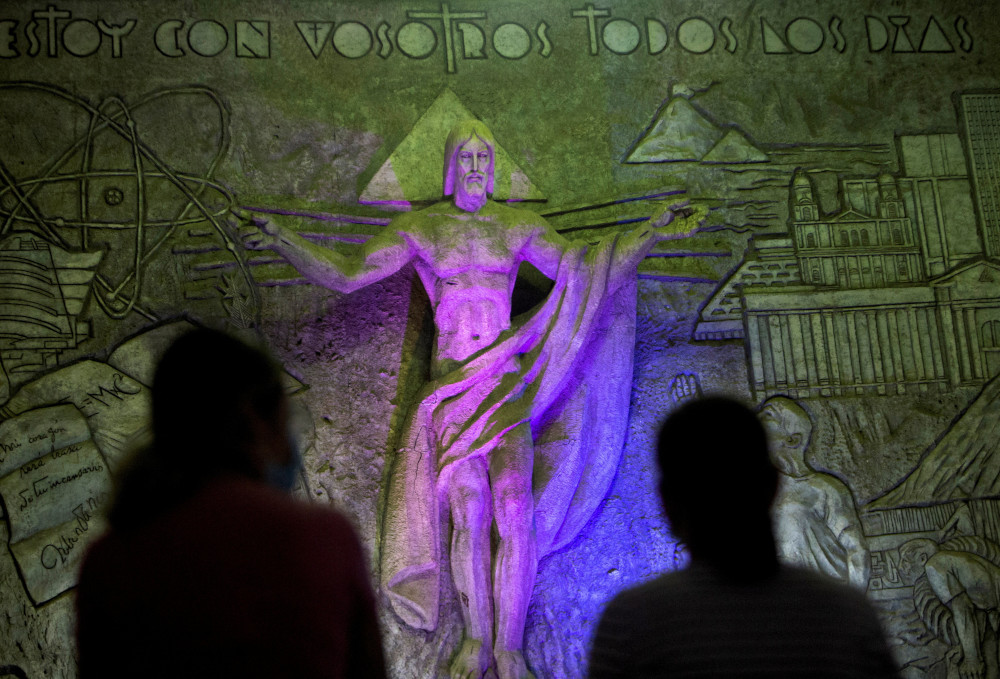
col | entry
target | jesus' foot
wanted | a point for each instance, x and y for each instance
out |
(510, 665)
(470, 661)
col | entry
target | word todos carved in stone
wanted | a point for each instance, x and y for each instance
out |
(472, 35)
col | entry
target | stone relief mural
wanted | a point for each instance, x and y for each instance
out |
(498, 381)
(522, 422)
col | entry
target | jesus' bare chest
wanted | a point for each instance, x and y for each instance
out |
(449, 246)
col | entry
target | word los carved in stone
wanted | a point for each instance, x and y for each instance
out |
(475, 33)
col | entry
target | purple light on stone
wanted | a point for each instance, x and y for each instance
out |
(676, 279)
(616, 222)
(688, 254)
(344, 238)
(320, 216)
(398, 204)
(651, 196)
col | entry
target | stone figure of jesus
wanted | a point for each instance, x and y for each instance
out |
(503, 434)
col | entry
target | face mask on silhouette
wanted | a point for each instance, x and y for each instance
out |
(284, 476)
(284, 437)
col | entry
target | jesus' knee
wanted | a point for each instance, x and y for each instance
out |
(514, 510)
(469, 497)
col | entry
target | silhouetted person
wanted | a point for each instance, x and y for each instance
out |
(734, 611)
(210, 567)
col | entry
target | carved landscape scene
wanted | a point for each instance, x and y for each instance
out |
(839, 269)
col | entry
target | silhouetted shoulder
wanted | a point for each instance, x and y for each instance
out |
(306, 528)
(698, 623)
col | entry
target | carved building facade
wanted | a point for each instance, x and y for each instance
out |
(868, 300)
(854, 250)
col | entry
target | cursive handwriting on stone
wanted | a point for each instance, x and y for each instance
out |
(58, 552)
(75, 448)
(43, 485)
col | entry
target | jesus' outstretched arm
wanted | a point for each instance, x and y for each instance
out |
(382, 256)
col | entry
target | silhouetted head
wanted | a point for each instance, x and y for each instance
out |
(789, 429)
(217, 402)
(218, 409)
(717, 483)
(469, 163)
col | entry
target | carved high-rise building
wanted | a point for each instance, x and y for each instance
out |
(980, 119)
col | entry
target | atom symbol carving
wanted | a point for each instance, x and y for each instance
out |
(133, 199)
(114, 196)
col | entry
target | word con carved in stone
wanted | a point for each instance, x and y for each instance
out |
(478, 33)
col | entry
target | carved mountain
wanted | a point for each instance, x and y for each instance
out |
(734, 147)
(413, 172)
(963, 464)
(679, 133)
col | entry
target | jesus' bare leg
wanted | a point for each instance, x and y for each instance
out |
(516, 562)
(472, 517)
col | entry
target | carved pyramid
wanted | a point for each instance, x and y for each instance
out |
(413, 171)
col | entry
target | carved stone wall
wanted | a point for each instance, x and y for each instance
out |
(848, 154)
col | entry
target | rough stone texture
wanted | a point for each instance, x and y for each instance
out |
(305, 131)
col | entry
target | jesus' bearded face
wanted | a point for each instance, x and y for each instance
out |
(473, 173)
